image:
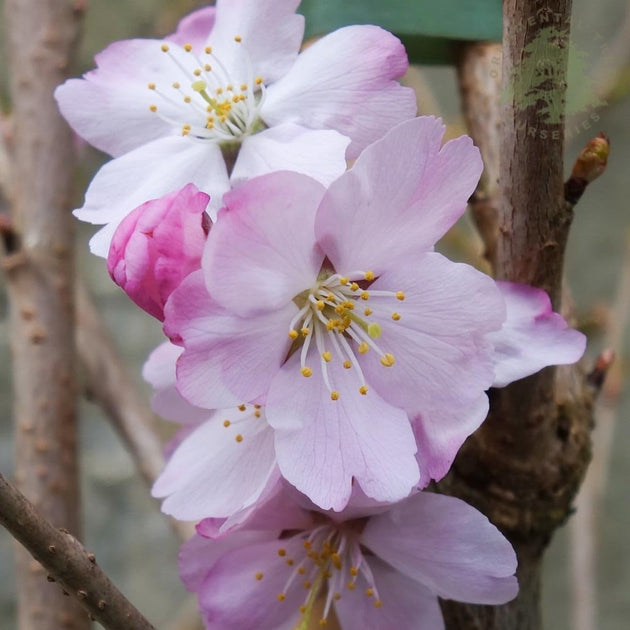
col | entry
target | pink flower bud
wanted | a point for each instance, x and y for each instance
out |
(158, 245)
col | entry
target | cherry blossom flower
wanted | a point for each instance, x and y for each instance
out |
(330, 308)
(379, 568)
(158, 245)
(227, 97)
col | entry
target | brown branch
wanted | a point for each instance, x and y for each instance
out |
(67, 563)
(41, 36)
(109, 383)
(523, 467)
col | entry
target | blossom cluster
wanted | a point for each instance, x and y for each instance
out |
(323, 361)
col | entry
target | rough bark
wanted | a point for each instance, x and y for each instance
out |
(523, 467)
(40, 36)
(68, 563)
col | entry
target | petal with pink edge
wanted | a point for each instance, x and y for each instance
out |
(446, 545)
(346, 81)
(403, 603)
(220, 468)
(195, 28)
(261, 252)
(288, 147)
(241, 590)
(149, 172)
(160, 372)
(322, 445)
(270, 35)
(227, 360)
(367, 219)
(532, 337)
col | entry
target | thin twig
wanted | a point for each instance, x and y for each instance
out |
(110, 385)
(67, 562)
(41, 36)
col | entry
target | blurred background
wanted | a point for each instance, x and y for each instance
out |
(123, 526)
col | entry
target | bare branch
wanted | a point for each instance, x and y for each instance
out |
(67, 562)
(41, 36)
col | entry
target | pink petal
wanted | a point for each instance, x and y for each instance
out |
(232, 598)
(261, 252)
(405, 603)
(367, 219)
(198, 555)
(322, 445)
(156, 246)
(345, 81)
(149, 172)
(109, 107)
(218, 470)
(271, 34)
(159, 371)
(532, 337)
(227, 360)
(447, 546)
(441, 358)
(288, 147)
(195, 28)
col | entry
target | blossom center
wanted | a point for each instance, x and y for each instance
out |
(336, 316)
(206, 103)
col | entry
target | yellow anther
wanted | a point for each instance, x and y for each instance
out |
(242, 407)
(238, 39)
(257, 406)
(400, 296)
(164, 48)
(305, 332)
(306, 371)
(219, 90)
(336, 560)
(243, 87)
(306, 584)
(176, 85)
(281, 597)
(354, 571)
(354, 287)
(327, 356)
(343, 280)
(186, 126)
(185, 131)
(282, 552)
(378, 603)
(257, 413)
(395, 316)
(153, 108)
(187, 99)
(330, 297)
(347, 364)
(258, 80)
(235, 99)
(289, 561)
(226, 423)
(320, 305)
(197, 72)
(334, 395)
(307, 544)
(369, 275)
(259, 576)
(348, 305)
(363, 390)
(151, 86)
(367, 312)
(322, 622)
(302, 608)
(363, 347)
(330, 324)
(337, 596)
(388, 359)
(351, 586)
(208, 50)
(301, 570)
(365, 295)
(374, 330)
(293, 334)
(369, 592)
(229, 87)
(239, 437)
(187, 47)
(207, 67)
(199, 86)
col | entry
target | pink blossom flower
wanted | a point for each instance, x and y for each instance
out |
(378, 570)
(331, 309)
(221, 461)
(158, 245)
(227, 97)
